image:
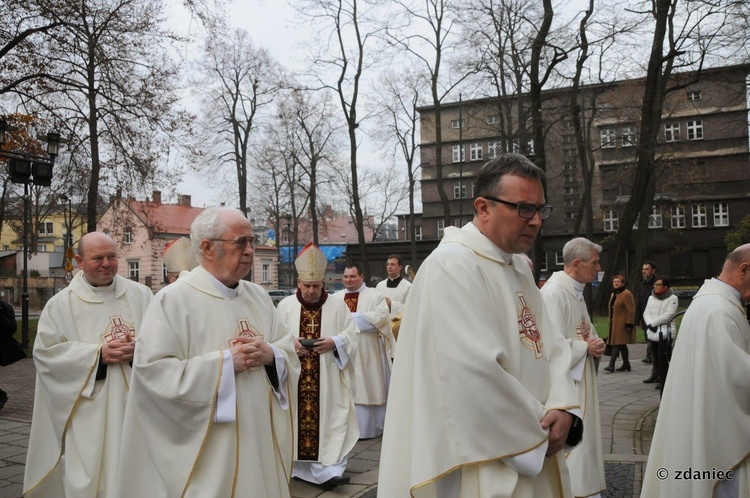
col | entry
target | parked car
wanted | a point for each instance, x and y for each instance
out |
(278, 294)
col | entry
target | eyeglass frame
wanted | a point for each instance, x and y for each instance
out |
(519, 206)
(248, 239)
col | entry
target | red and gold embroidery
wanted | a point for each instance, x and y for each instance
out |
(351, 299)
(528, 332)
(118, 329)
(583, 330)
(308, 416)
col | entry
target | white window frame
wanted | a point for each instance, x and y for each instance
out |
(544, 262)
(655, 219)
(672, 132)
(693, 95)
(608, 138)
(490, 120)
(475, 152)
(569, 177)
(569, 190)
(456, 149)
(721, 214)
(570, 153)
(570, 166)
(559, 261)
(440, 228)
(46, 228)
(459, 189)
(493, 149)
(134, 270)
(568, 139)
(611, 220)
(418, 232)
(127, 236)
(699, 215)
(457, 123)
(41, 248)
(678, 217)
(695, 129)
(629, 136)
(265, 273)
(530, 147)
(571, 215)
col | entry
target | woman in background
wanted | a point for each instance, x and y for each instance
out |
(621, 324)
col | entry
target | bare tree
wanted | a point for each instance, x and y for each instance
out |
(238, 81)
(399, 100)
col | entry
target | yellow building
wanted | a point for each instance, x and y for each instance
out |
(48, 230)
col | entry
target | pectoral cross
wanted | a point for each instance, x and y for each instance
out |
(311, 326)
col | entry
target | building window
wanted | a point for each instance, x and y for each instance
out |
(134, 270)
(46, 228)
(694, 95)
(569, 165)
(6, 247)
(530, 147)
(721, 214)
(41, 248)
(695, 129)
(678, 217)
(607, 138)
(559, 261)
(457, 123)
(418, 233)
(544, 262)
(571, 215)
(672, 132)
(493, 149)
(490, 120)
(629, 137)
(456, 150)
(611, 221)
(569, 177)
(570, 202)
(569, 153)
(265, 273)
(127, 236)
(569, 190)
(164, 272)
(568, 124)
(699, 216)
(655, 220)
(459, 190)
(568, 139)
(475, 152)
(440, 228)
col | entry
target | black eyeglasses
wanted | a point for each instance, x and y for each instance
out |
(525, 211)
(241, 242)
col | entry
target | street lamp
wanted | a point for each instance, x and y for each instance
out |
(36, 170)
(68, 238)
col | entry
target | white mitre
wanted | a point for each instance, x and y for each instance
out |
(179, 256)
(311, 263)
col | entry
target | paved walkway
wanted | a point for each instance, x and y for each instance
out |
(628, 410)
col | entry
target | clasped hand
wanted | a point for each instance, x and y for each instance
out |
(596, 346)
(249, 352)
(118, 350)
(322, 345)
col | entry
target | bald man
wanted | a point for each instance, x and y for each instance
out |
(702, 435)
(82, 352)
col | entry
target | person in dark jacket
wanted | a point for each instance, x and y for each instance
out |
(10, 350)
(644, 292)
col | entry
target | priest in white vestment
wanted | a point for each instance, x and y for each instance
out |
(214, 379)
(563, 297)
(178, 257)
(395, 288)
(326, 424)
(82, 353)
(482, 400)
(701, 443)
(372, 363)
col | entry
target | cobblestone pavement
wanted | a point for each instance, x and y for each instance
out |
(628, 411)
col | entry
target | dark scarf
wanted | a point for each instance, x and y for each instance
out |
(664, 294)
(313, 306)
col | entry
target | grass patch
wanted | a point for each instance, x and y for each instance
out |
(601, 323)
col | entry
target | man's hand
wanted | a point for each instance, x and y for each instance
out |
(299, 348)
(118, 351)
(249, 352)
(596, 346)
(323, 345)
(388, 300)
(558, 422)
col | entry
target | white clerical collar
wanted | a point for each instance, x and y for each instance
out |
(731, 289)
(364, 286)
(100, 289)
(225, 291)
(577, 286)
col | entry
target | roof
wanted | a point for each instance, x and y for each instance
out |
(165, 218)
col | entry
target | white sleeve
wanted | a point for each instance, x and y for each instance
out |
(226, 401)
(362, 323)
(341, 358)
(281, 372)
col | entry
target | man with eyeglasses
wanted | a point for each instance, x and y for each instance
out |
(214, 377)
(83, 350)
(481, 391)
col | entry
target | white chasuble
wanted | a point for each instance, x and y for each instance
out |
(77, 421)
(337, 424)
(171, 445)
(567, 309)
(703, 424)
(473, 378)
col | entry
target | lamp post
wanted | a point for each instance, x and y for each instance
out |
(288, 229)
(68, 238)
(36, 170)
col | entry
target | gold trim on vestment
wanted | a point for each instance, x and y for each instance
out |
(469, 464)
(214, 401)
(67, 424)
